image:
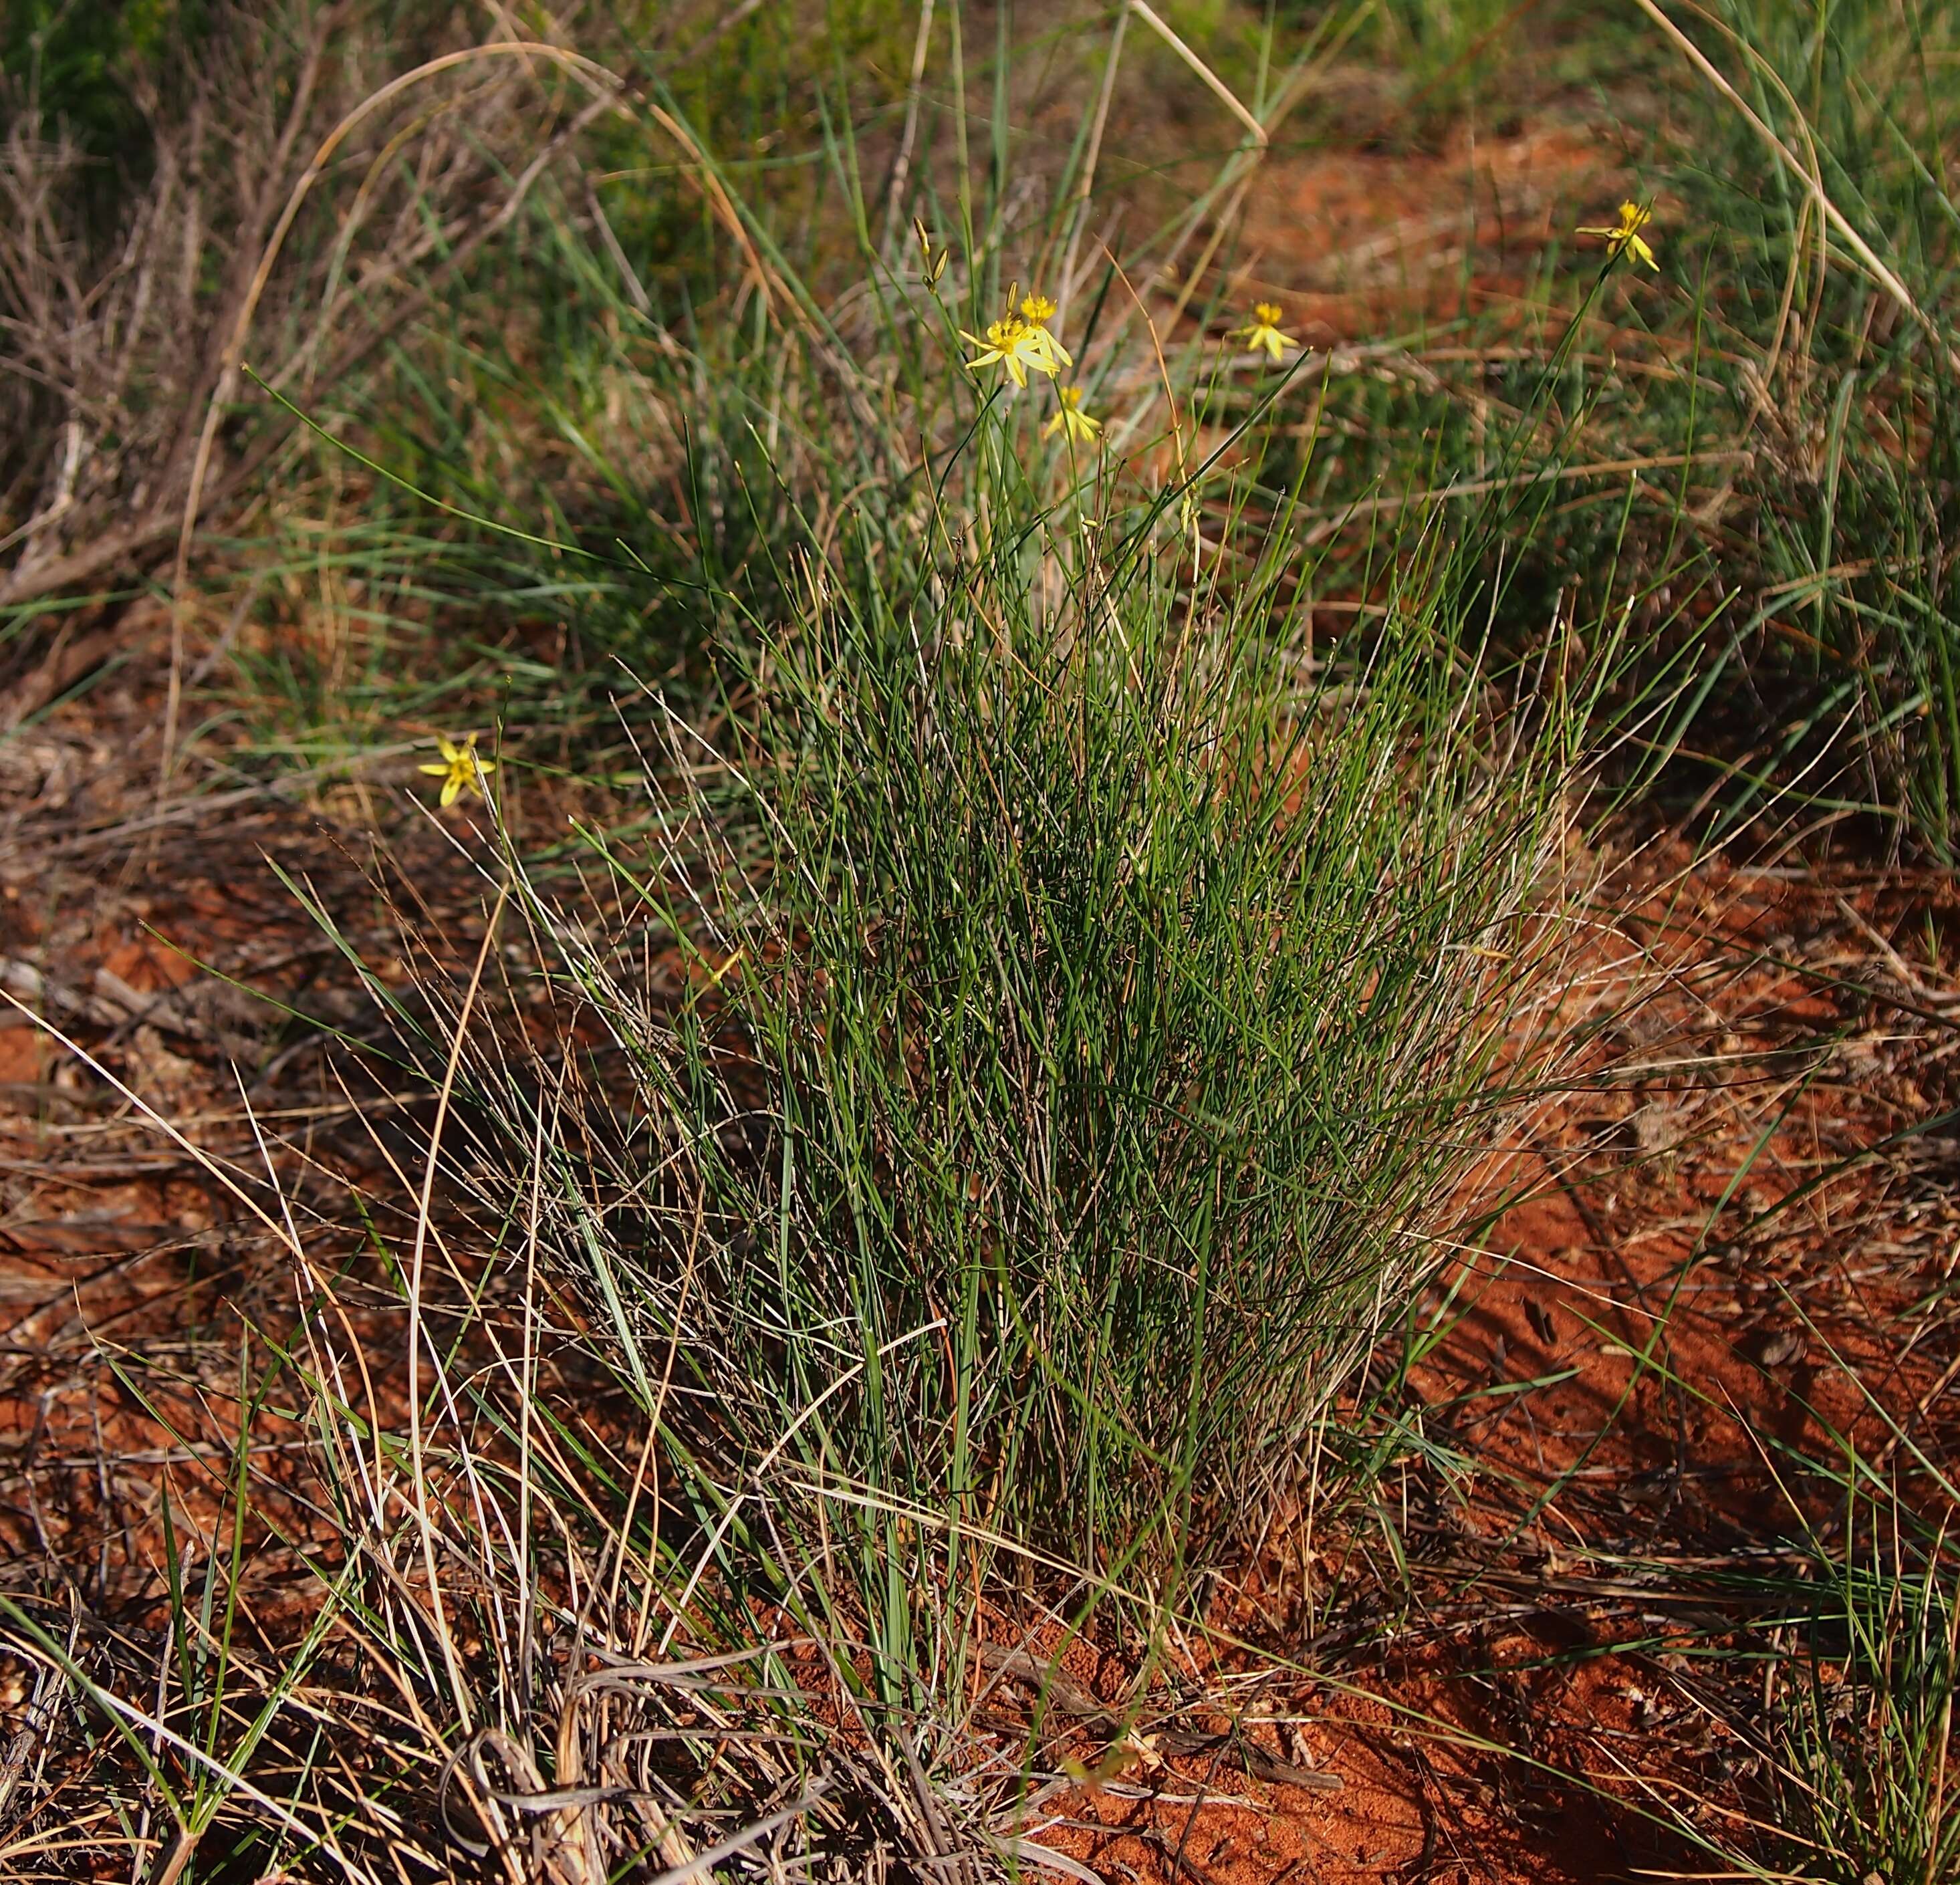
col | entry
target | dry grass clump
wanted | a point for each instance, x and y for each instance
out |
(317, 178)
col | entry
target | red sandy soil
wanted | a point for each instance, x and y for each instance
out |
(1771, 1026)
(1390, 231)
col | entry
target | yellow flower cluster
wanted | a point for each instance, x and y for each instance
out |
(1017, 341)
(1022, 341)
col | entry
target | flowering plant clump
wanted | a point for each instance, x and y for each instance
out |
(461, 769)
(1262, 334)
(1624, 236)
(1070, 420)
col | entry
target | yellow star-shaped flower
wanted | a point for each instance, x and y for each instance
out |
(1071, 419)
(1624, 236)
(460, 770)
(1012, 346)
(1262, 334)
(1017, 341)
(1037, 310)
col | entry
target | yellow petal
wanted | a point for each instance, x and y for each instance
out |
(452, 790)
(486, 765)
(437, 772)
